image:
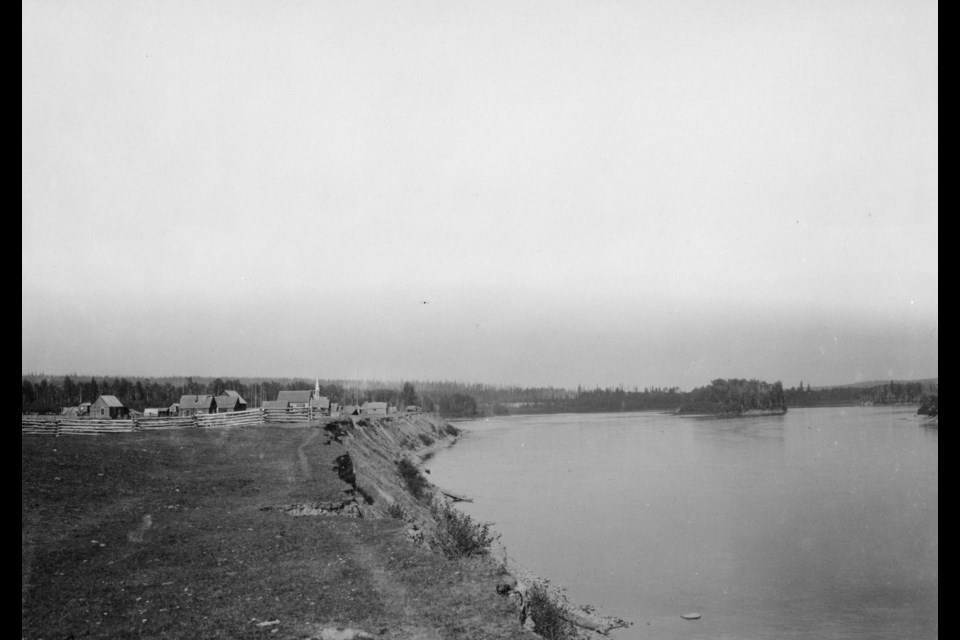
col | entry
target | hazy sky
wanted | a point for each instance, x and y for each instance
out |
(645, 193)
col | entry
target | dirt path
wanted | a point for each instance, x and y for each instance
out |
(302, 454)
(402, 607)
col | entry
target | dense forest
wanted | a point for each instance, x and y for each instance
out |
(49, 394)
(734, 396)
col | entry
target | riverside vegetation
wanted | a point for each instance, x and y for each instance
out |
(454, 533)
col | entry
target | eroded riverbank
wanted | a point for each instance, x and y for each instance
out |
(377, 444)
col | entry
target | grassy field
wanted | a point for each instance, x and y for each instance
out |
(178, 534)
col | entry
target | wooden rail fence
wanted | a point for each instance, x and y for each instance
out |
(56, 425)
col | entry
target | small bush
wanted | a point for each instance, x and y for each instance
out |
(929, 405)
(335, 430)
(396, 512)
(451, 430)
(548, 620)
(416, 484)
(425, 439)
(457, 535)
(344, 468)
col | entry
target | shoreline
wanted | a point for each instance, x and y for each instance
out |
(524, 579)
(750, 413)
(397, 438)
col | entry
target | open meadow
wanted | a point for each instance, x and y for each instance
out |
(183, 534)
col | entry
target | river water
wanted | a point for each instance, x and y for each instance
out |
(822, 523)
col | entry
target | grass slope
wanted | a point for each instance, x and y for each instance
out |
(166, 535)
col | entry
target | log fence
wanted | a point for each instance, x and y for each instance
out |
(60, 425)
(57, 425)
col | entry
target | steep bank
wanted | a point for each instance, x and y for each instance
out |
(376, 445)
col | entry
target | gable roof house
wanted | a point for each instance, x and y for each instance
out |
(230, 401)
(108, 407)
(295, 399)
(192, 405)
(375, 408)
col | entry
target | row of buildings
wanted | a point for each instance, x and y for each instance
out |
(190, 405)
(110, 407)
(311, 399)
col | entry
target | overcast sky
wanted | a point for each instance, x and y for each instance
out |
(649, 193)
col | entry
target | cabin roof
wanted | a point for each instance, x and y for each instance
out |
(295, 396)
(196, 402)
(111, 401)
(228, 402)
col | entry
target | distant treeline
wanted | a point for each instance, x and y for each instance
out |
(733, 395)
(48, 394)
(592, 401)
(40, 394)
(889, 393)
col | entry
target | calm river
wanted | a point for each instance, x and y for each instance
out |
(822, 523)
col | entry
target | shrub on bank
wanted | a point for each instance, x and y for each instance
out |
(416, 484)
(929, 405)
(451, 430)
(456, 534)
(548, 620)
(396, 511)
